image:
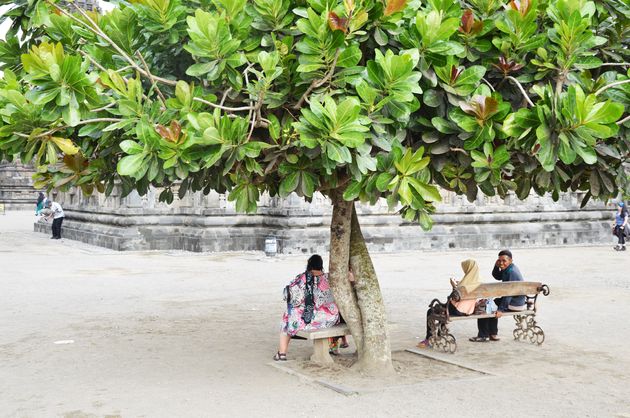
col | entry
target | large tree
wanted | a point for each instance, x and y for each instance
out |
(355, 99)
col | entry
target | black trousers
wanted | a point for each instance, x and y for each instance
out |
(452, 311)
(620, 235)
(56, 227)
(487, 327)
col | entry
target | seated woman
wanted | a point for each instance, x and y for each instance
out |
(310, 305)
(468, 283)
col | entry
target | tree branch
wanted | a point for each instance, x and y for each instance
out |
(93, 61)
(318, 83)
(152, 78)
(624, 120)
(488, 83)
(229, 109)
(52, 131)
(520, 87)
(103, 108)
(616, 83)
(94, 28)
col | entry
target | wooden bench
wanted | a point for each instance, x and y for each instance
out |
(320, 341)
(526, 327)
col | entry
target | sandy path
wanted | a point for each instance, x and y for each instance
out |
(171, 334)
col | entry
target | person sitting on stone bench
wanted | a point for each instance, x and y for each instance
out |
(310, 305)
(468, 283)
(506, 271)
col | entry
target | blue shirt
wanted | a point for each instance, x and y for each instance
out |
(510, 274)
(620, 217)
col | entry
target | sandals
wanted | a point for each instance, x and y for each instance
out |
(479, 339)
(280, 356)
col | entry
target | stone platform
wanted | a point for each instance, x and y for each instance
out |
(210, 223)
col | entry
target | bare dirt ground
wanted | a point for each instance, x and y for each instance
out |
(90, 332)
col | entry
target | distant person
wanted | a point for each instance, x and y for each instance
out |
(468, 283)
(310, 305)
(41, 203)
(57, 215)
(619, 227)
(506, 271)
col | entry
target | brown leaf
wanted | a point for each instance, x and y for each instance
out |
(521, 6)
(176, 129)
(337, 23)
(164, 132)
(393, 6)
(455, 72)
(467, 21)
(482, 107)
(477, 26)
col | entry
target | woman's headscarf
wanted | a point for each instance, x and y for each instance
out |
(470, 281)
(40, 198)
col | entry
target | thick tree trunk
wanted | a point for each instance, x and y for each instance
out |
(376, 357)
(345, 297)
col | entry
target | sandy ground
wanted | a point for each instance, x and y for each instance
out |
(174, 334)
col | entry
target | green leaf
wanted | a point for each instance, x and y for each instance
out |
(352, 191)
(428, 192)
(349, 57)
(130, 165)
(289, 184)
(130, 147)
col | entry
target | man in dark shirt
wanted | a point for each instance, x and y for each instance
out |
(506, 271)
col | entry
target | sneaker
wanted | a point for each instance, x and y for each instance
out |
(424, 344)
(617, 248)
(623, 248)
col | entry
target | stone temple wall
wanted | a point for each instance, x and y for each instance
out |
(210, 223)
(16, 186)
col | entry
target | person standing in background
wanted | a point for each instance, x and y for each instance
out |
(41, 203)
(621, 220)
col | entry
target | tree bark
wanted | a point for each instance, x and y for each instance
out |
(340, 227)
(376, 357)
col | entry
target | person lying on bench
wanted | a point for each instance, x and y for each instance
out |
(310, 305)
(468, 283)
(506, 271)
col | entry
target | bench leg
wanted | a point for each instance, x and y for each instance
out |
(320, 352)
(441, 338)
(527, 329)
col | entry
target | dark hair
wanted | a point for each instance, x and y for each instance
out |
(40, 197)
(505, 252)
(315, 263)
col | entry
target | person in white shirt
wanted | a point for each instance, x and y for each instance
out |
(57, 215)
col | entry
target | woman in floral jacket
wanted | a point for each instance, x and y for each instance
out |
(310, 304)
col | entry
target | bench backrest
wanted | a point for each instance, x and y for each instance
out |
(495, 290)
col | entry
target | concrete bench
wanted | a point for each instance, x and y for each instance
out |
(320, 341)
(526, 327)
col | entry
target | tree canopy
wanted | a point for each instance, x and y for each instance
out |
(377, 98)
